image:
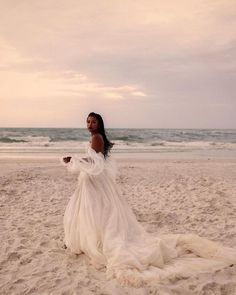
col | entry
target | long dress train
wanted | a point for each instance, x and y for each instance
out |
(99, 223)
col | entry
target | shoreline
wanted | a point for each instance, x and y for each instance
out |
(182, 154)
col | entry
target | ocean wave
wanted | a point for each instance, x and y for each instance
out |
(153, 139)
(10, 140)
(158, 144)
(68, 138)
(127, 138)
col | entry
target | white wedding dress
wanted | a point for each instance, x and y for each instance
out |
(99, 223)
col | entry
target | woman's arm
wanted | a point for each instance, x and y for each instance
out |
(97, 144)
(93, 164)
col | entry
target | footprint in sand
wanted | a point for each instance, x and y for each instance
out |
(13, 256)
(26, 260)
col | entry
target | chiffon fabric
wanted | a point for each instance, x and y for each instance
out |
(99, 222)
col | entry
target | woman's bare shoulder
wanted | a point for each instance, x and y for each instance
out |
(97, 143)
(97, 136)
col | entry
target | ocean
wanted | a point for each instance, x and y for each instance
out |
(54, 141)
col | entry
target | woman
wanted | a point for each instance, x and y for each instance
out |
(99, 223)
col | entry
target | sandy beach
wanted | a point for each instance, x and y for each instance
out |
(167, 196)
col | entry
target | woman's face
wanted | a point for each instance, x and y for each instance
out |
(92, 124)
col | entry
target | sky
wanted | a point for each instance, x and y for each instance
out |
(141, 63)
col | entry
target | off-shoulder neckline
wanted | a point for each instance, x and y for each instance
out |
(99, 153)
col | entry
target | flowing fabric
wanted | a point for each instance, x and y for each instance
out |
(99, 223)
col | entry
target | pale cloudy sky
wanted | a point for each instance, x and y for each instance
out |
(141, 63)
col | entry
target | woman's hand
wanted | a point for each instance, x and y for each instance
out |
(67, 159)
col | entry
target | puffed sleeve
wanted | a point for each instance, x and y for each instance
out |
(92, 163)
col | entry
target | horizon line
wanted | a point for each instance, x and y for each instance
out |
(135, 128)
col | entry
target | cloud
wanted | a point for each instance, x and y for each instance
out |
(144, 52)
(52, 83)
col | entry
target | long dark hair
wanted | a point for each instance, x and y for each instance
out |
(101, 130)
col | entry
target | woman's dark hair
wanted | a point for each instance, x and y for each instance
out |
(107, 144)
